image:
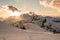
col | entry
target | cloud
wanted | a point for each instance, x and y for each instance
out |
(8, 10)
(44, 3)
(55, 4)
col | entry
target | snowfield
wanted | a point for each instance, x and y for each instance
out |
(33, 32)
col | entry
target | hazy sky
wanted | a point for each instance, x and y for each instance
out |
(30, 5)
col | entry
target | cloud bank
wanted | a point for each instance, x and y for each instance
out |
(55, 4)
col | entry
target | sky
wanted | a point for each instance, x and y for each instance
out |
(39, 6)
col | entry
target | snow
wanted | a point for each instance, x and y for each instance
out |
(8, 32)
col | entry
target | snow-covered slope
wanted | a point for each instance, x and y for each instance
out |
(8, 32)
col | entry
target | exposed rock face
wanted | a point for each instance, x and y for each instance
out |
(36, 20)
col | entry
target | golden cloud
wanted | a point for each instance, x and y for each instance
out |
(55, 4)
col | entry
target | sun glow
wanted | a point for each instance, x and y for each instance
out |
(11, 12)
(15, 13)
